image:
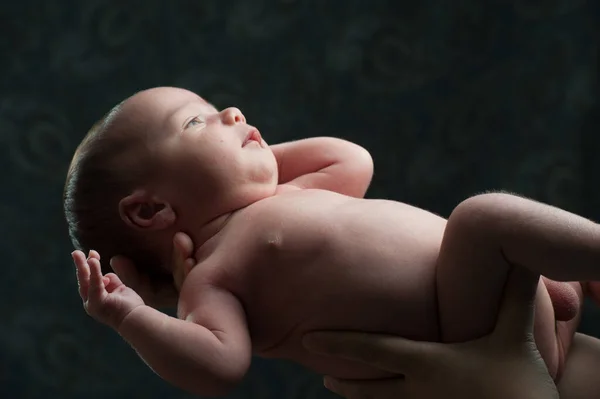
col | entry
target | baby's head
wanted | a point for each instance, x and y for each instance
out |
(162, 161)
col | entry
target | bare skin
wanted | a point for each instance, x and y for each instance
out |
(314, 292)
(503, 364)
(290, 246)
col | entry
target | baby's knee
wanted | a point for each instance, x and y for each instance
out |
(488, 210)
(479, 212)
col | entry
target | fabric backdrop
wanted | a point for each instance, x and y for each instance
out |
(452, 98)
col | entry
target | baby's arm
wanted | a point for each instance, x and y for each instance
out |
(207, 354)
(580, 378)
(325, 163)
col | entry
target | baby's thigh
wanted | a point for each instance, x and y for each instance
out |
(470, 284)
(470, 279)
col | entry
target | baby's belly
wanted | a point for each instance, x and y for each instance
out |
(405, 307)
(377, 277)
(291, 348)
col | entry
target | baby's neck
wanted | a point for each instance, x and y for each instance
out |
(202, 235)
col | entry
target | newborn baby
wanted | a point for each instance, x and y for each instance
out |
(285, 244)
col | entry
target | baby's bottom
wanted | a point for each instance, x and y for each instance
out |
(486, 236)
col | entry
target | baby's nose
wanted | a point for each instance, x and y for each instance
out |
(232, 116)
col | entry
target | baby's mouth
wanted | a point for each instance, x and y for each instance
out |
(252, 136)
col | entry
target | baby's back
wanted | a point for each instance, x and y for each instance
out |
(312, 260)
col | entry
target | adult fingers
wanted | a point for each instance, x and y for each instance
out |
(517, 307)
(182, 250)
(386, 352)
(181, 258)
(184, 244)
(392, 388)
(188, 265)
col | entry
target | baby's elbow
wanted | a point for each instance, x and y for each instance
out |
(218, 374)
(364, 162)
(350, 154)
(218, 385)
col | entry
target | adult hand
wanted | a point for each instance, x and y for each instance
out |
(503, 364)
(158, 294)
(183, 260)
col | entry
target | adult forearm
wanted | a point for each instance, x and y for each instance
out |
(185, 354)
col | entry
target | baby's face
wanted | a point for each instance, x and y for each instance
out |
(214, 155)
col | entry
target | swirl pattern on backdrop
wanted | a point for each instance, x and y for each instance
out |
(451, 98)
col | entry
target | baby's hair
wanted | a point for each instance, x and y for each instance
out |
(100, 175)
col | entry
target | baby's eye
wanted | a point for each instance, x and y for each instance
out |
(194, 122)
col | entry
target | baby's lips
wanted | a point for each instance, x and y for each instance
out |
(252, 135)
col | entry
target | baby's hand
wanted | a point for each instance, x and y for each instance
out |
(105, 298)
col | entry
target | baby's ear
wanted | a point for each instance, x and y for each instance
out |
(143, 211)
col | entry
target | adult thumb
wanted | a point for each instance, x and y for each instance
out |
(517, 306)
(385, 352)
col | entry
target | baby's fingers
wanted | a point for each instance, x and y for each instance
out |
(97, 289)
(94, 254)
(112, 282)
(83, 273)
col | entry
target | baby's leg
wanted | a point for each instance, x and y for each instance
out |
(488, 234)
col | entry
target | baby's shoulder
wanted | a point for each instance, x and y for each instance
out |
(289, 210)
(295, 214)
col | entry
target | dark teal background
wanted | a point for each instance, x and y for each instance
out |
(451, 98)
